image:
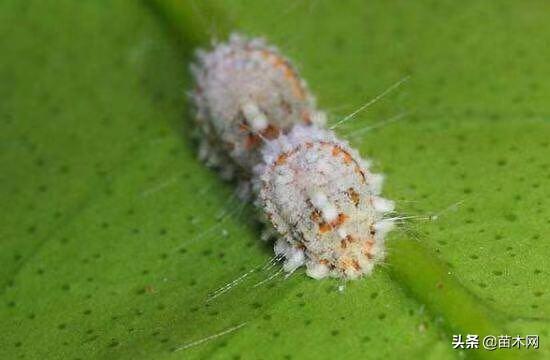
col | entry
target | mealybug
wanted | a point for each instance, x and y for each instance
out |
(324, 203)
(246, 92)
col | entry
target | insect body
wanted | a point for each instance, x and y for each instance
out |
(246, 92)
(324, 204)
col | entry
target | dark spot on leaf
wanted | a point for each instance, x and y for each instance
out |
(113, 343)
(511, 217)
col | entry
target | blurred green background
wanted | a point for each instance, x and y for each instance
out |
(113, 237)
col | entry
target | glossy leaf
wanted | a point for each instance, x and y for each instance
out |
(116, 242)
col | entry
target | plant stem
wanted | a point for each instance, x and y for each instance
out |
(432, 283)
(195, 22)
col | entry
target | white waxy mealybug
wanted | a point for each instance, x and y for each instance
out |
(246, 92)
(324, 203)
(319, 199)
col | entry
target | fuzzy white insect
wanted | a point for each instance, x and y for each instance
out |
(245, 92)
(316, 194)
(323, 202)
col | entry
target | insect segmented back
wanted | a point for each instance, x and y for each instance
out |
(246, 92)
(324, 203)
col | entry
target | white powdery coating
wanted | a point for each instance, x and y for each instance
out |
(258, 120)
(246, 92)
(323, 202)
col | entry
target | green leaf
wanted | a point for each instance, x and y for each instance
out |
(116, 242)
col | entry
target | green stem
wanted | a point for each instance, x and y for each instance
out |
(195, 22)
(431, 282)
